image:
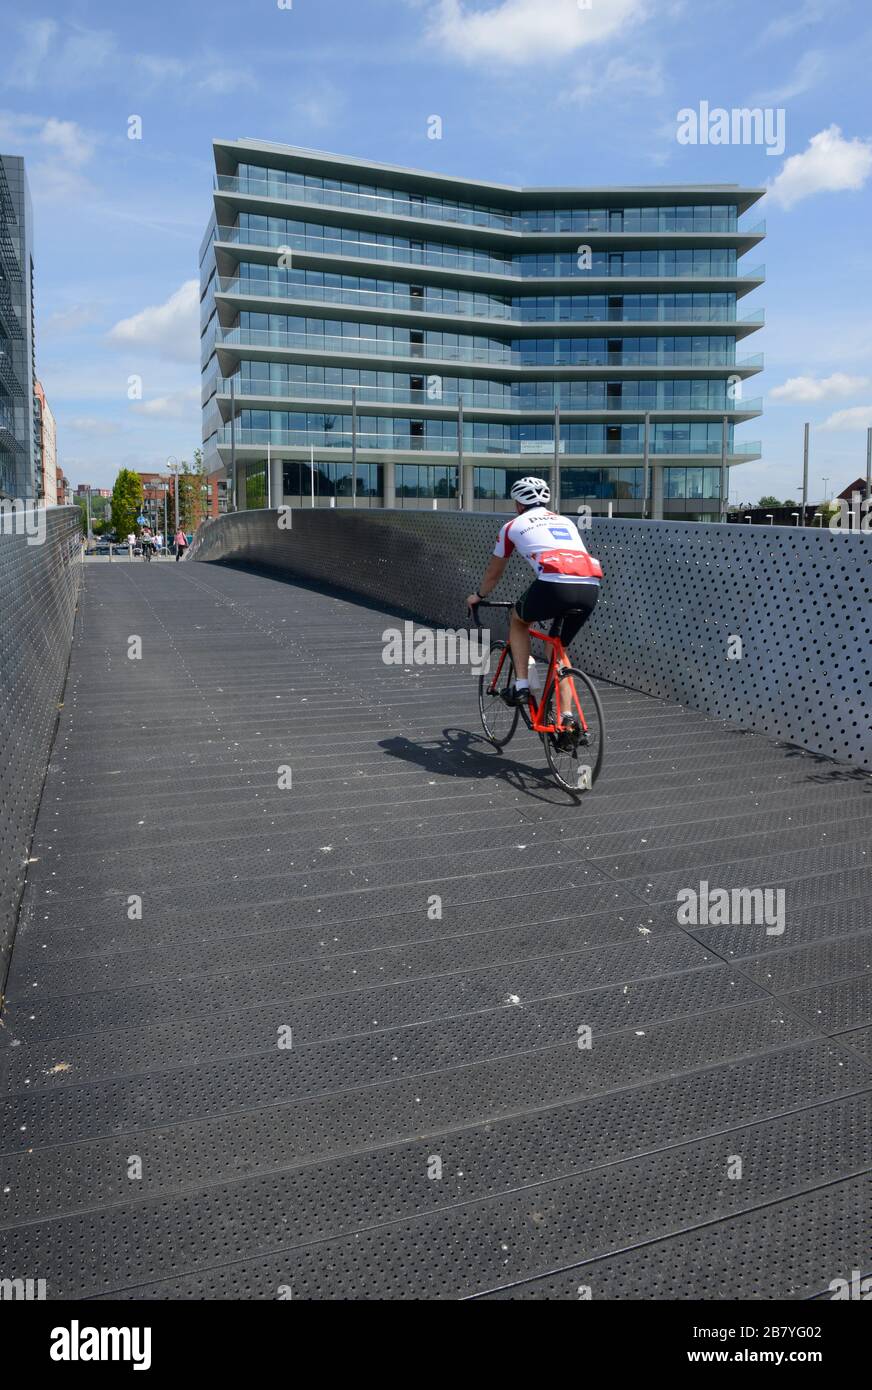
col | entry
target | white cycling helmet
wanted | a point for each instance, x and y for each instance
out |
(531, 492)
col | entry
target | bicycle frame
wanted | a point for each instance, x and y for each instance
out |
(557, 662)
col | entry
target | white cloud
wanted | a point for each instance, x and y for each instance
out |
(619, 77)
(178, 405)
(810, 389)
(529, 31)
(831, 164)
(857, 417)
(46, 59)
(201, 73)
(93, 424)
(809, 71)
(319, 107)
(51, 56)
(57, 154)
(68, 320)
(811, 12)
(170, 329)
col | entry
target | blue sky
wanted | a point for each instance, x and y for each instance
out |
(529, 91)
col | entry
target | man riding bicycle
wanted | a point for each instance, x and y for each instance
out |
(567, 577)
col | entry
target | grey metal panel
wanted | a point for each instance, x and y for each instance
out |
(39, 584)
(675, 594)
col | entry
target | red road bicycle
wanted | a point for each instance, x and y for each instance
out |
(575, 758)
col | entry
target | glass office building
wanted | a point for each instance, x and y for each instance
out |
(379, 336)
(19, 426)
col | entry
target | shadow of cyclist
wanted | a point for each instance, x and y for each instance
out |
(460, 753)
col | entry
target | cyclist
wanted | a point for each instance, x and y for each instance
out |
(567, 576)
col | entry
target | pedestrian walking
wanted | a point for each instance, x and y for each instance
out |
(131, 542)
(181, 541)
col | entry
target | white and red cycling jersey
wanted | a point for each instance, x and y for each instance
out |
(551, 545)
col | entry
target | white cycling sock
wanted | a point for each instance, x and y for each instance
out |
(522, 685)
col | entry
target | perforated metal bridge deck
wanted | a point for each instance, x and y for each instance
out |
(158, 1142)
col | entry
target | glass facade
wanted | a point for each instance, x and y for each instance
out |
(20, 459)
(354, 314)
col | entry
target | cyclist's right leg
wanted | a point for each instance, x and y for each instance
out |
(581, 599)
(519, 643)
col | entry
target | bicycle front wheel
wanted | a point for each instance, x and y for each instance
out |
(498, 719)
(576, 761)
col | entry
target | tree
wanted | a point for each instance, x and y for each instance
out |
(99, 509)
(769, 502)
(126, 502)
(790, 502)
(193, 492)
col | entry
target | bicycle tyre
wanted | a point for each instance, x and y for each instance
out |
(498, 719)
(564, 764)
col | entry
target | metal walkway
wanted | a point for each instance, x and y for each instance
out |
(159, 1142)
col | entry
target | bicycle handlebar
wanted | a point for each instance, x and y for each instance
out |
(486, 603)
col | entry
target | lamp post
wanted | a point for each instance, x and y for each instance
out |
(162, 487)
(173, 466)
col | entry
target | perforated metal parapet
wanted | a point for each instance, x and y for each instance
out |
(768, 627)
(39, 584)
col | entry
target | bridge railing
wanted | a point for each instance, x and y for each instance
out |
(40, 572)
(769, 628)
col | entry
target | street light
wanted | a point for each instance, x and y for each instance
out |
(162, 486)
(770, 518)
(173, 466)
(796, 514)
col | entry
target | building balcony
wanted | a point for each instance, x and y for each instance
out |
(10, 324)
(476, 225)
(265, 394)
(9, 441)
(324, 349)
(241, 292)
(451, 266)
(300, 443)
(236, 343)
(8, 378)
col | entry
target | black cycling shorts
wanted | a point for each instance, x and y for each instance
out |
(545, 599)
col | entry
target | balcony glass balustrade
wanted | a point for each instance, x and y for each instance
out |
(279, 186)
(440, 258)
(341, 439)
(432, 301)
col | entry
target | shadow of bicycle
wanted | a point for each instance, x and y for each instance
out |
(461, 753)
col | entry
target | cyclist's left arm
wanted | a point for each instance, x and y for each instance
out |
(490, 579)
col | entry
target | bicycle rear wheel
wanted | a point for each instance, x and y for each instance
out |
(576, 762)
(498, 719)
